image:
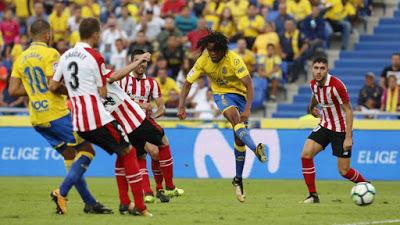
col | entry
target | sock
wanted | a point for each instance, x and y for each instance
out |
(78, 168)
(240, 156)
(122, 183)
(81, 186)
(166, 166)
(145, 176)
(243, 134)
(354, 175)
(158, 176)
(134, 178)
(309, 174)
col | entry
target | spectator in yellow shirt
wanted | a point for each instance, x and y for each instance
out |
(268, 37)
(251, 25)
(213, 10)
(270, 68)
(336, 16)
(19, 46)
(22, 11)
(238, 8)
(248, 56)
(90, 9)
(268, 3)
(226, 24)
(299, 9)
(59, 22)
(169, 89)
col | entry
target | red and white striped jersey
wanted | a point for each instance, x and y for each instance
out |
(331, 97)
(140, 90)
(83, 70)
(127, 112)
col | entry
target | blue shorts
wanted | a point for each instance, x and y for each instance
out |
(59, 133)
(226, 101)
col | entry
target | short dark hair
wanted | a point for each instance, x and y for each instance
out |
(320, 59)
(221, 42)
(88, 27)
(136, 52)
(39, 26)
(270, 45)
(396, 54)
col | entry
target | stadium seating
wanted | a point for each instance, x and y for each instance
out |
(371, 54)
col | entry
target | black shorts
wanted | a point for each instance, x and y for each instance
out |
(324, 137)
(109, 137)
(148, 131)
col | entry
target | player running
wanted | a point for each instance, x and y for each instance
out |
(49, 114)
(233, 91)
(83, 71)
(142, 89)
(335, 127)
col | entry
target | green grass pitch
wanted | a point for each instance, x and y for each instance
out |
(25, 200)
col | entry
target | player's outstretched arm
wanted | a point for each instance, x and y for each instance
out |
(248, 82)
(182, 100)
(118, 75)
(312, 107)
(160, 108)
(16, 89)
(348, 141)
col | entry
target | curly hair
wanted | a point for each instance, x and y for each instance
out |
(219, 39)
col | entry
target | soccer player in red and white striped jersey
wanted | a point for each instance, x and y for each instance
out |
(83, 71)
(142, 89)
(335, 126)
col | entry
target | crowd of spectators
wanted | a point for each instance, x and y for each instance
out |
(274, 37)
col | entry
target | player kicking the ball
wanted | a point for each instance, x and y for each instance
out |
(335, 127)
(233, 91)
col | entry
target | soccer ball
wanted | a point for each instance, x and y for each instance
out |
(363, 193)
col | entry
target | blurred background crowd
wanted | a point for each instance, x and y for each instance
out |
(275, 38)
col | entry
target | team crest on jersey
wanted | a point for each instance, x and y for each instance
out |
(236, 62)
(224, 70)
(221, 82)
(241, 69)
(103, 69)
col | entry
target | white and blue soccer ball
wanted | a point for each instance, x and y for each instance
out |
(363, 193)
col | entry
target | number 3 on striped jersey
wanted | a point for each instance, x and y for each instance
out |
(73, 67)
(38, 78)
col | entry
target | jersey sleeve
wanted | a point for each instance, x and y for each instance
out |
(196, 71)
(15, 71)
(342, 91)
(58, 72)
(156, 92)
(51, 63)
(239, 67)
(100, 70)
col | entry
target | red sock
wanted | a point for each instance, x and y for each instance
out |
(145, 176)
(309, 174)
(158, 176)
(122, 183)
(354, 175)
(166, 166)
(134, 178)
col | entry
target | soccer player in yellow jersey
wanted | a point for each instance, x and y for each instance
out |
(233, 91)
(50, 117)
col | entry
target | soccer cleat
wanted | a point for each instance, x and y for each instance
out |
(61, 202)
(145, 213)
(238, 185)
(149, 198)
(97, 208)
(161, 195)
(123, 209)
(175, 192)
(311, 199)
(260, 153)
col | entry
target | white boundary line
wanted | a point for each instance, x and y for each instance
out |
(372, 222)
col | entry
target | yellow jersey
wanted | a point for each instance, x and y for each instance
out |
(299, 10)
(23, 8)
(59, 25)
(263, 40)
(248, 57)
(35, 65)
(250, 27)
(270, 63)
(16, 51)
(169, 85)
(225, 75)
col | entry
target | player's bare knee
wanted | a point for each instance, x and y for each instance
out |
(165, 140)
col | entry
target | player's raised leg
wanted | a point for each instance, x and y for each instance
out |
(310, 150)
(233, 116)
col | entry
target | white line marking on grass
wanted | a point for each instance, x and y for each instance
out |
(372, 222)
